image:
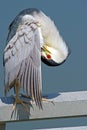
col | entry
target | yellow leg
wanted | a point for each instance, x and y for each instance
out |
(17, 99)
(45, 99)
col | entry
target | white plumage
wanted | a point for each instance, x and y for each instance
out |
(32, 35)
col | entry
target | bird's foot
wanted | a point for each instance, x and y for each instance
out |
(17, 100)
(45, 99)
(29, 101)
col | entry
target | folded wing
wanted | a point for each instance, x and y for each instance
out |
(22, 59)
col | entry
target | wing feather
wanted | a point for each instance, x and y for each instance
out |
(31, 83)
(22, 60)
(26, 78)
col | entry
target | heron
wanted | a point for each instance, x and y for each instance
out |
(33, 37)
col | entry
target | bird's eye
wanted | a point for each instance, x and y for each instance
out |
(48, 56)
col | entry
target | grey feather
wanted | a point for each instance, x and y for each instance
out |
(22, 58)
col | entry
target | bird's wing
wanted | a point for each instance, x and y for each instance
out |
(22, 60)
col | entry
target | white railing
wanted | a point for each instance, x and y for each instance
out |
(67, 104)
(67, 128)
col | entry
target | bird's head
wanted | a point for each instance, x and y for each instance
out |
(52, 57)
(54, 50)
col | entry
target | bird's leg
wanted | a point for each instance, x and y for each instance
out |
(17, 99)
(45, 99)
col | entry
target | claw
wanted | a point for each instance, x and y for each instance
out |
(47, 100)
(19, 101)
(30, 101)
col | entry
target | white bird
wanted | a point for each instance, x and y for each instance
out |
(32, 37)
